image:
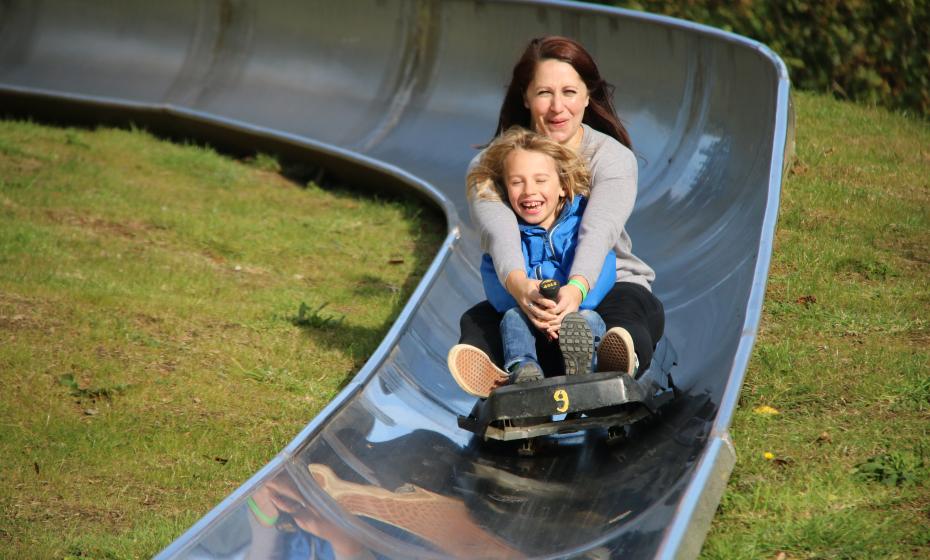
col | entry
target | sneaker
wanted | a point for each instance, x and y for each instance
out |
(474, 371)
(576, 341)
(527, 372)
(616, 352)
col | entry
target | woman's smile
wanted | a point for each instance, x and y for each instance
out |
(557, 98)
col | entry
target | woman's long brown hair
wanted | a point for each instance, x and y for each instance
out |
(600, 113)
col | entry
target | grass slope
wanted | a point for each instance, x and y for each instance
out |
(149, 355)
(843, 354)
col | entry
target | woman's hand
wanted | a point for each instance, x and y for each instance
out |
(264, 500)
(287, 498)
(526, 291)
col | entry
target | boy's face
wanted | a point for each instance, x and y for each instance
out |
(533, 187)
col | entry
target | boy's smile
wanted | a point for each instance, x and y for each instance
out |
(534, 188)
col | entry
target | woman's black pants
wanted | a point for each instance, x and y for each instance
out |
(626, 305)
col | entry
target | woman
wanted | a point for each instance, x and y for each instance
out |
(557, 90)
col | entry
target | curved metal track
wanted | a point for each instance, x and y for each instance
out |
(393, 93)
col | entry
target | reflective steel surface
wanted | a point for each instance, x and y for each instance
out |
(394, 93)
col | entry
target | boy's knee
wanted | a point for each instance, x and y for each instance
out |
(589, 314)
(594, 321)
(513, 316)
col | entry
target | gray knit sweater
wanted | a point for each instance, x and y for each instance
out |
(613, 194)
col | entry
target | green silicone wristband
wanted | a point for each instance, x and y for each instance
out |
(577, 283)
(261, 515)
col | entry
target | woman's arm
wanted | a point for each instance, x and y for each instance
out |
(494, 291)
(500, 235)
(613, 195)
(604, 283)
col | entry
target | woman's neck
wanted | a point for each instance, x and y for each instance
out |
(574, 143)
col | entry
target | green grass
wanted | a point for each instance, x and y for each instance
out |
(843, 352)
(167, 324)
(169, 320)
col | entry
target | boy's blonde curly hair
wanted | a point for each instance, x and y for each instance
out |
(486, 180)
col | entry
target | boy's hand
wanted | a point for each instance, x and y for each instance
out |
(526, 291)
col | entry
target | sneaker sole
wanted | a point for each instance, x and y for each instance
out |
(615, 351)
(474, 372)
(415, 510)
(576, 341)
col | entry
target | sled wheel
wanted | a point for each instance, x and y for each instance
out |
(615, 435)
(527, 447)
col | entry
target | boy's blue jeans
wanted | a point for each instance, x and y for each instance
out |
(519, 336)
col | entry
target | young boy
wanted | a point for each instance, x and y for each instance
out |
(545, 184)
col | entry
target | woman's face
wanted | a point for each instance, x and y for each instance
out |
(557, 98)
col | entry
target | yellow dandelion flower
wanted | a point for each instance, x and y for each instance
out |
(765, 410)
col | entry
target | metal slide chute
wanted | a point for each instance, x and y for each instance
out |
(395, 93)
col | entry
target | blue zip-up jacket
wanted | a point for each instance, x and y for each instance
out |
(549, 254)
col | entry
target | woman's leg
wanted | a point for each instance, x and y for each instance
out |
(637, 310)
(474, 361)
(481, 327)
